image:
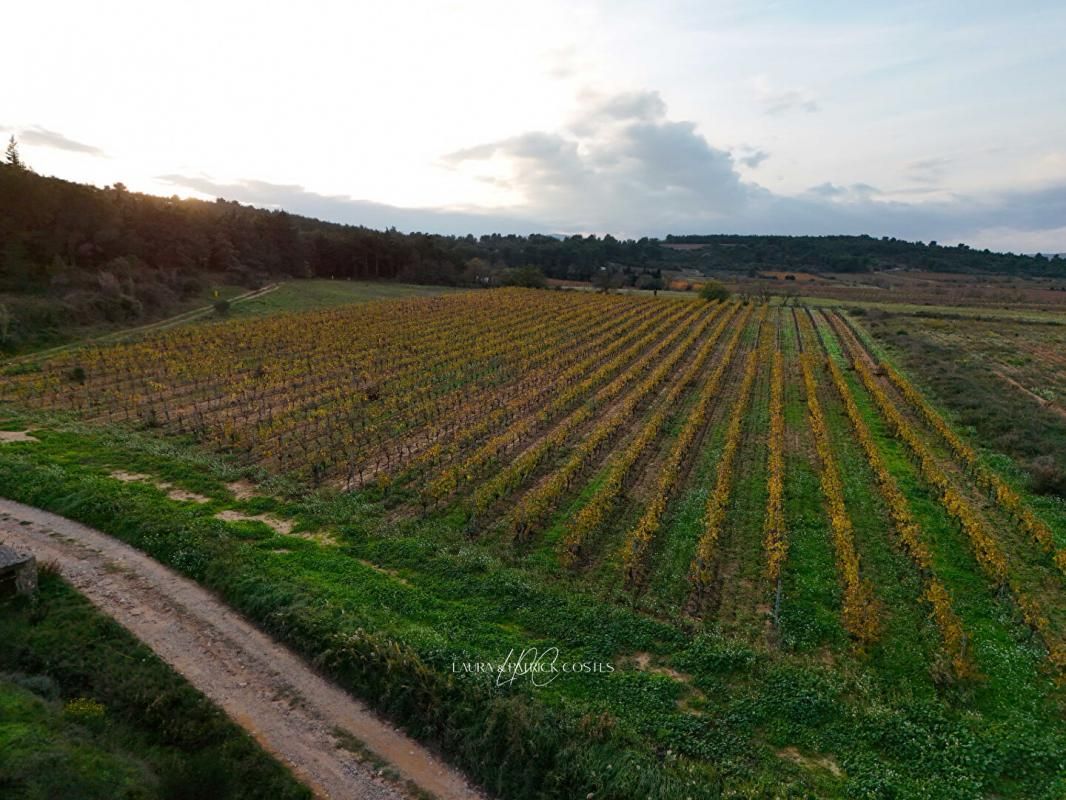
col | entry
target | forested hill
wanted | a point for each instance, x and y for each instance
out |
(85, 254)
(53, 230)
(854, 254)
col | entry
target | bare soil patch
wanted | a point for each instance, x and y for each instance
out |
(242, 489)
(811, 762)
(173, 492)
(17, 436)
(282, 526)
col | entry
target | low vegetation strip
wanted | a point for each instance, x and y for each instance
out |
(598, 509)
(860, 609)
(1005, 496)
(286, 705)
(701, 573)
(640, 538)
(774, 532)
(89, 713)
(907, 529)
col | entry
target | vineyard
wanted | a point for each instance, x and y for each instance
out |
(759, 476)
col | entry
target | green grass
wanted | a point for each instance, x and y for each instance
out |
(398, 600)
(960, 312)
(150, 734)
(290, 297)
(445, 599)
(811, 598)
(45, 755)
(317, 293)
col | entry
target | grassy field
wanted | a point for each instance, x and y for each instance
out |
(288, 296)
(474, 476)
(312, 294)
(1004, 381)
(912, 309)
(87, 712)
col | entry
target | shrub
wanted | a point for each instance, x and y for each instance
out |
(85, 711)
(529, 277)
(1046, 476)
(713, 290)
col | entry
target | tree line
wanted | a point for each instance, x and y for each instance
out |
(90, 254)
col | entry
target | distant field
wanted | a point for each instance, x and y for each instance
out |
(307, 295)
(990, 293)
(290, 296)
(1004, 378)
(1051, 317)
(807, 581)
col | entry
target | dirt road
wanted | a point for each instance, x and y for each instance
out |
(291, 711)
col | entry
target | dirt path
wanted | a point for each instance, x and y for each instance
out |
(117, 336)
(291, 711)
(1050, 405)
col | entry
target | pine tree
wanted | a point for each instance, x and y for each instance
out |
(12, 155)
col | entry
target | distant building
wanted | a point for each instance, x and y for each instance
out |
(18, 572)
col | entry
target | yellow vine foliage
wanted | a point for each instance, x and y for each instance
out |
(639, 539)
(345, 393)
(538, 502)
(908, 530)
(859, 606)
(595, 512)
(774, 536)
(987, 551)
(550, 372)
(701, 572)
(577, 383)
(989, 556)
(1007, 499)
(625, 371)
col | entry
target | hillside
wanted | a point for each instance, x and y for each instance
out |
(74, 256)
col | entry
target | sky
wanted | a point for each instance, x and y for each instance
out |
(920, 120)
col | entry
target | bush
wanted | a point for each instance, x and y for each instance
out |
(222, 307)
(86, 711)
(713, 290)
(1046, 476)
(529, 277)
(40, 685)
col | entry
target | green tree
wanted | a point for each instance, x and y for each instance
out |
(5, 324)
(713, 290)
(12, 156)
(530, 277)
(650, 282)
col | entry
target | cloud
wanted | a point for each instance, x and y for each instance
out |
(619, 161)
(623, 166)
(928, 170)
(851, 193)
(562, 62)
(36, 136)
(776, 101)
(754, 159)
(347, 210)
(780, 102)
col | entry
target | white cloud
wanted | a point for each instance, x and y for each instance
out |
(776, 101)
(902, 93)
(36, 136)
